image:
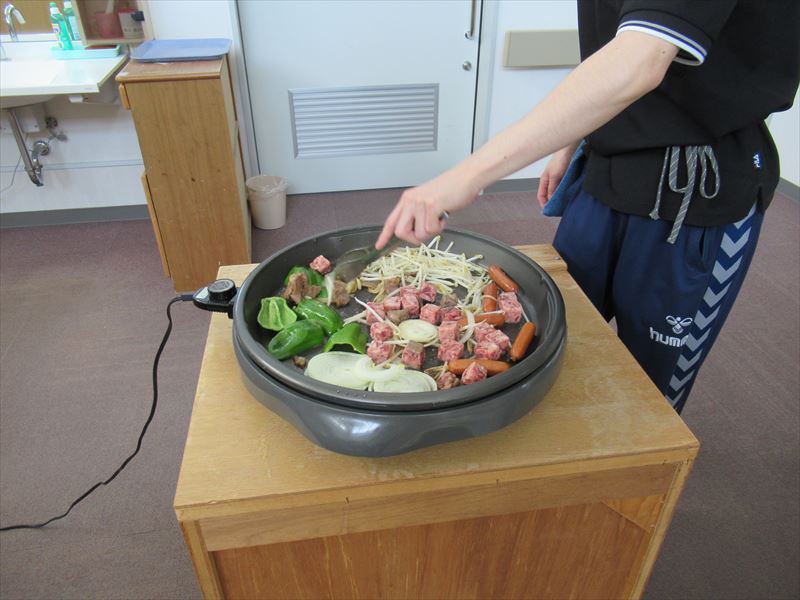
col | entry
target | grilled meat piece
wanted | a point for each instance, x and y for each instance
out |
(340, 295)
(447, 380)
(413, 355)
(398, 316)
(296, 288)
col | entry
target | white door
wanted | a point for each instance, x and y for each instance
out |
(350, 95)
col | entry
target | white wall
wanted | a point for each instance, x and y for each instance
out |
(100, 164)
(785, 129)
(514, 92)
(186, 19)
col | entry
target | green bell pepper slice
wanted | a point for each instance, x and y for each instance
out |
(313, 310)
(296, 338)
(275, 314)
(314, 278)
(350, 335)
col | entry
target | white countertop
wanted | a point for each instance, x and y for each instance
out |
(31, 71)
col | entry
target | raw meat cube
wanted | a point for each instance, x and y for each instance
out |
(473, 373)
(410, 303)
(378, 308)
(381, 331)
(499, 338)
(450, 314)
(488, 351)
(427, 292)
(482, 330)
(512, 309)
(413, 355)
(450, 350)
(379, 351)
(320, 264)
(409, 290)
(392, 303)
(430, 313)
(448, 331)
(447, 380)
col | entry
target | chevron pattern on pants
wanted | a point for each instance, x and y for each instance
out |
(729, 259)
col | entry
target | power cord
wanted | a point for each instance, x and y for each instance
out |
(181, 298)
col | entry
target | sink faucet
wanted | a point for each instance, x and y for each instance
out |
(12, 11)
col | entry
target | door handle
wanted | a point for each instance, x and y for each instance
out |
(473, 13)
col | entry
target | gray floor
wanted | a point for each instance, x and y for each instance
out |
(81, 314)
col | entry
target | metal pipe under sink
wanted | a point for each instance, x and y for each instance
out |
(40, 148)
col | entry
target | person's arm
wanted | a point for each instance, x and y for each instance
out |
(554, 172)
(602, 86)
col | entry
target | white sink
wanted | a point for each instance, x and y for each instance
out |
(25, 74)
(31, 75)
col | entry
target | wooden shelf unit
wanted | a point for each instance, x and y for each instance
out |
(87, 24)
(194, 179)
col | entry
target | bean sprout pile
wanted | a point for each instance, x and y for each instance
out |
(429, 264)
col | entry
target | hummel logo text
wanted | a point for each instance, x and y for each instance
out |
(678, 325)
(667, 340)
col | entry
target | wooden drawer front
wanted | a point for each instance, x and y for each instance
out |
(154, 222)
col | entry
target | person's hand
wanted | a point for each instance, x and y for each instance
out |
(417, 216)
(553, 173)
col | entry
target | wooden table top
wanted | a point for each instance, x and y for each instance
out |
(169, 71)
(603, 412)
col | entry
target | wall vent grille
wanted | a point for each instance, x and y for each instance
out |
(351, 121)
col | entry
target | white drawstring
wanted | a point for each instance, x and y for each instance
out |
(704, 155)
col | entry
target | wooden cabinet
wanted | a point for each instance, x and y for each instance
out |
(194, 181)
(90, 29)
(570, 501)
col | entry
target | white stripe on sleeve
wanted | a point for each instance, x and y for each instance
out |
(695, 51)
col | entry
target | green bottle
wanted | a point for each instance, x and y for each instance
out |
(72, 22)
(60, 27)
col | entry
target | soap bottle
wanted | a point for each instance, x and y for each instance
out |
(60, 27)
(72, 22)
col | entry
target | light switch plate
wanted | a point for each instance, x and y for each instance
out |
(540, 49)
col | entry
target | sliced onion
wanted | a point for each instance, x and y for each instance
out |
(336, 368)
(418, 330)
(407, 381)
(364, 369)
(328, 281)
(470, 326)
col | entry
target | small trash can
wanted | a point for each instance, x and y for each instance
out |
(267, 196)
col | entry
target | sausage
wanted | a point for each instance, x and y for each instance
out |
(490, 297)
(524, 339)
(496, 319)
(493, 367)
(503, 281)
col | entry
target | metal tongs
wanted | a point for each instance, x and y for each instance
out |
(350, 264)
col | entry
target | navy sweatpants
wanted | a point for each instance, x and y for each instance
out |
(670, 300)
